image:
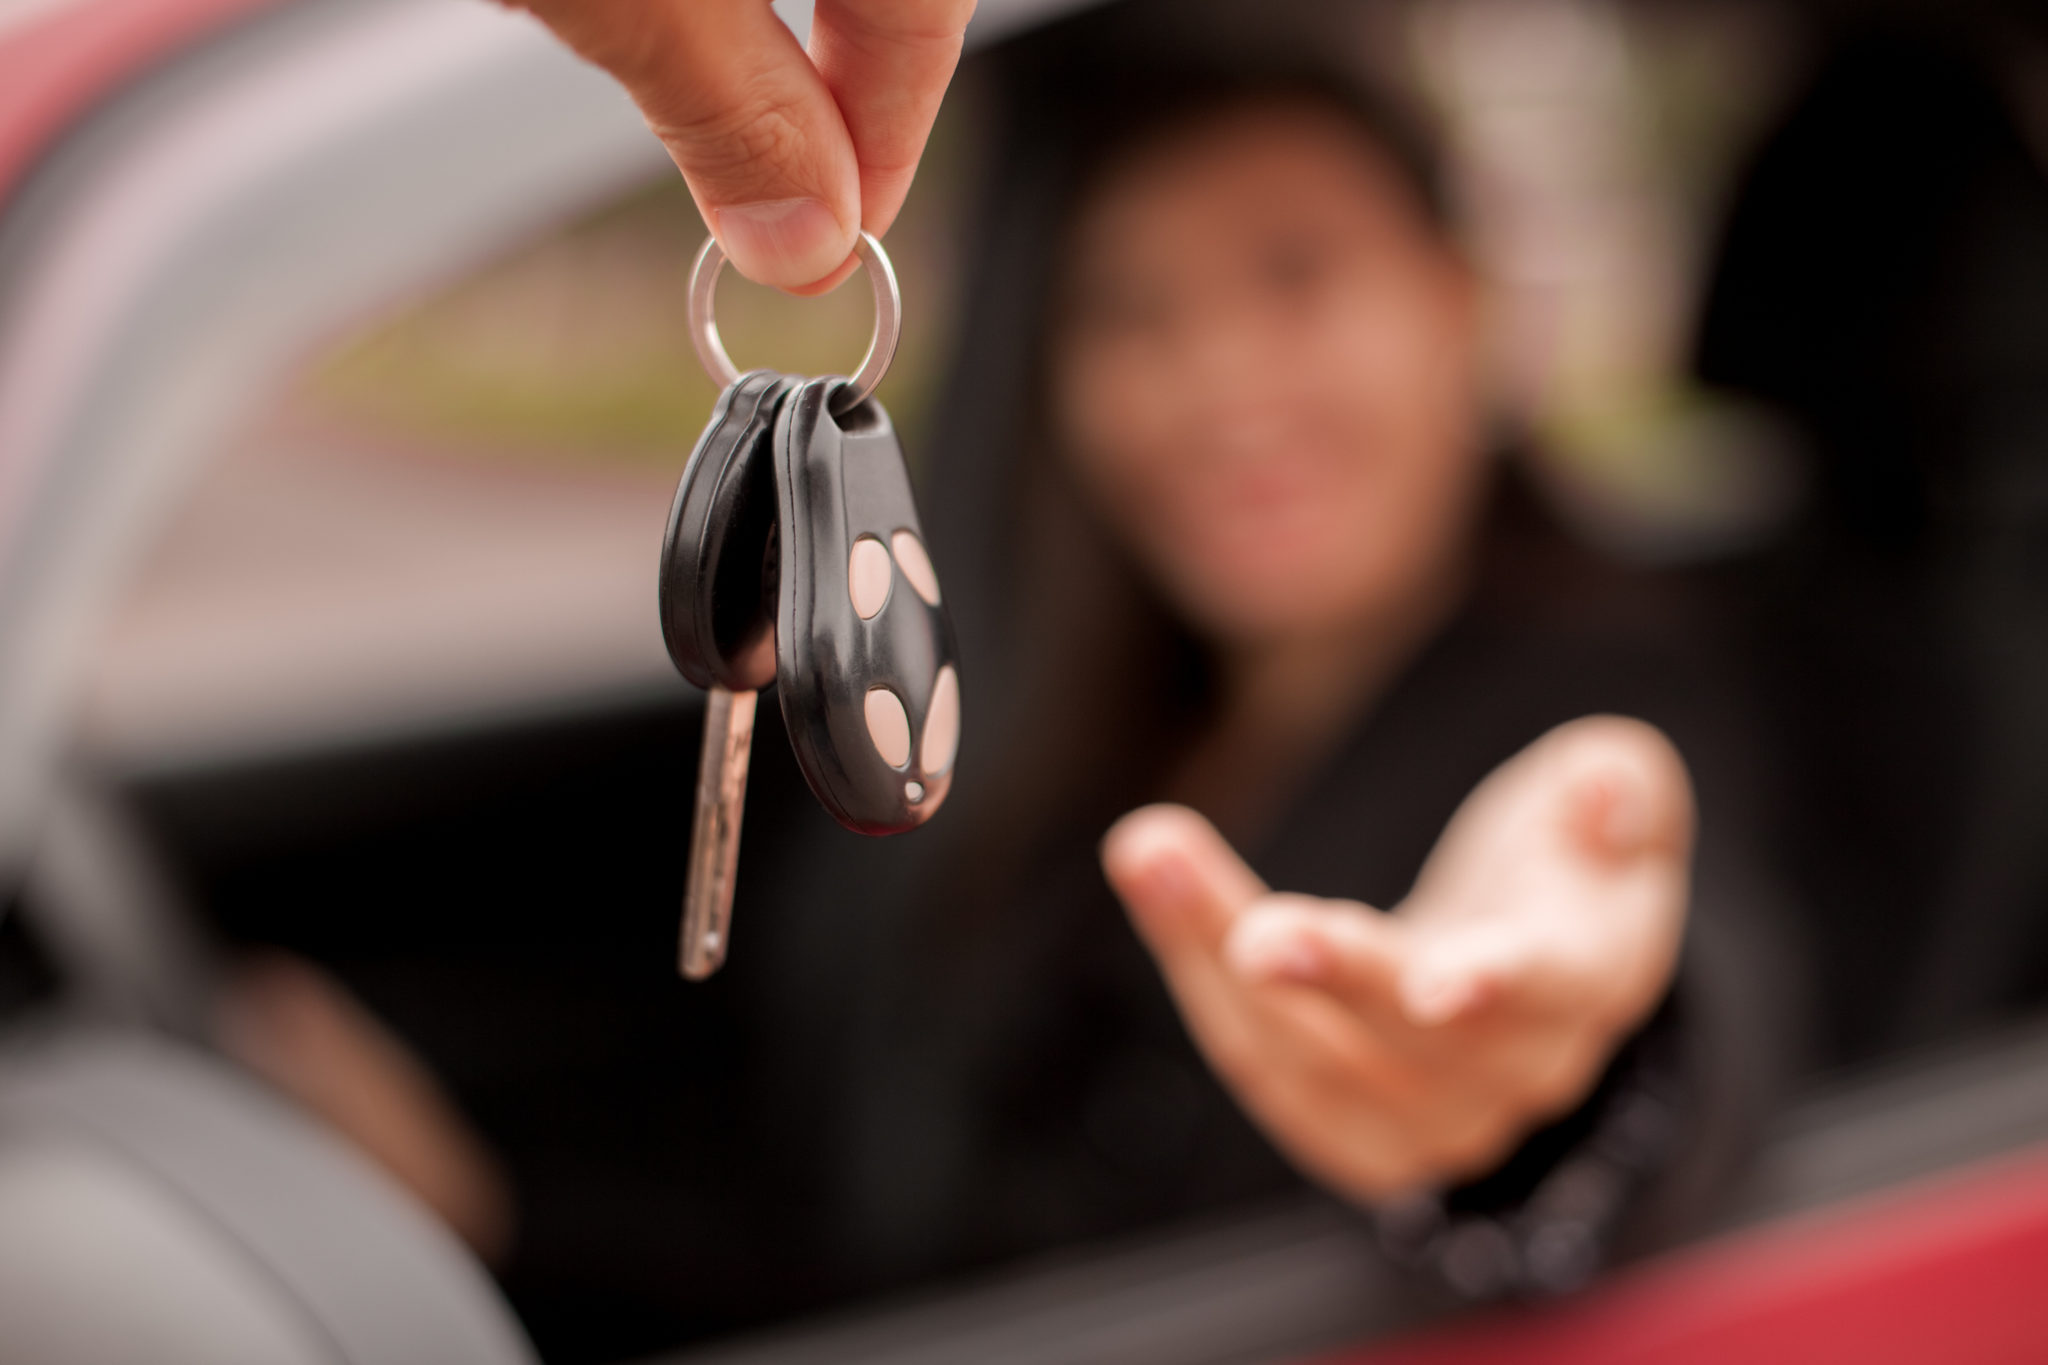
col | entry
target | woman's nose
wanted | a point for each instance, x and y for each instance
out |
(1225, 349)
(1232, 360)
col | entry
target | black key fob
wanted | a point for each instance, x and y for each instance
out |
(717, 593)
(865, 661)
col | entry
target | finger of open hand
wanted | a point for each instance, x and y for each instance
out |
(1435, 1056)
(1561, 884)
(1458, 1035)
(1343, 1075)
(1628, 793)
(1184, 886)
(1347, 951)
(1597, 966)
(1464, 966)
(1180, 879)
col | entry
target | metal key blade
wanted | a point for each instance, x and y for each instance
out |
(715, 833)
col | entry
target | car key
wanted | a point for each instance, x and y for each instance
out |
(793, 553)
(715, 830)
(715, 590)
(718, 626)
(865, 665)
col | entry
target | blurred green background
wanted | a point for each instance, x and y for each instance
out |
(576, 347)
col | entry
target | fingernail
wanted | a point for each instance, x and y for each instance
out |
(787, 243)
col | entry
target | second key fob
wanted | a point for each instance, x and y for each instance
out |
(865, 662)
(717, 574)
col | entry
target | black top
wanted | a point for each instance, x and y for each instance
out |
(1011, 1069)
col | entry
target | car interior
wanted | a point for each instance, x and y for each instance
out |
(341, 403)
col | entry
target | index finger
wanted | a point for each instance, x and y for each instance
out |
(746, 117)
(1347, 950)
(887, 63)
(1182, 882)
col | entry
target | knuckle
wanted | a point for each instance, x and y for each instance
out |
(756, 130)
(725, 140)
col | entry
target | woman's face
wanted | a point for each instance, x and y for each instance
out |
(1265, 375)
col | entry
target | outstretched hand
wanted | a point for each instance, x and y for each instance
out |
(788, 154)
(1385, 1052)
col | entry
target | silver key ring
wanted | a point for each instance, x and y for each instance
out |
(881, 347)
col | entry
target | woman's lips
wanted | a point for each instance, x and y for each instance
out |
(1287, 488)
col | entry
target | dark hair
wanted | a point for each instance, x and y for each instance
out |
(1085, 684)
(1116, 112)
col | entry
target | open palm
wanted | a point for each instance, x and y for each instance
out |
(1390, 1050)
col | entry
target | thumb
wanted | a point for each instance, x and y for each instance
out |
(746, 117)
(1181, 881)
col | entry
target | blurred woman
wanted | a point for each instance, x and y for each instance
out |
(1233, 549)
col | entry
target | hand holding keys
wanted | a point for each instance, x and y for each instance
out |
(793, 555)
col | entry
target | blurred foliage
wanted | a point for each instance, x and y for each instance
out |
(576, 347)
(1598, 199)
